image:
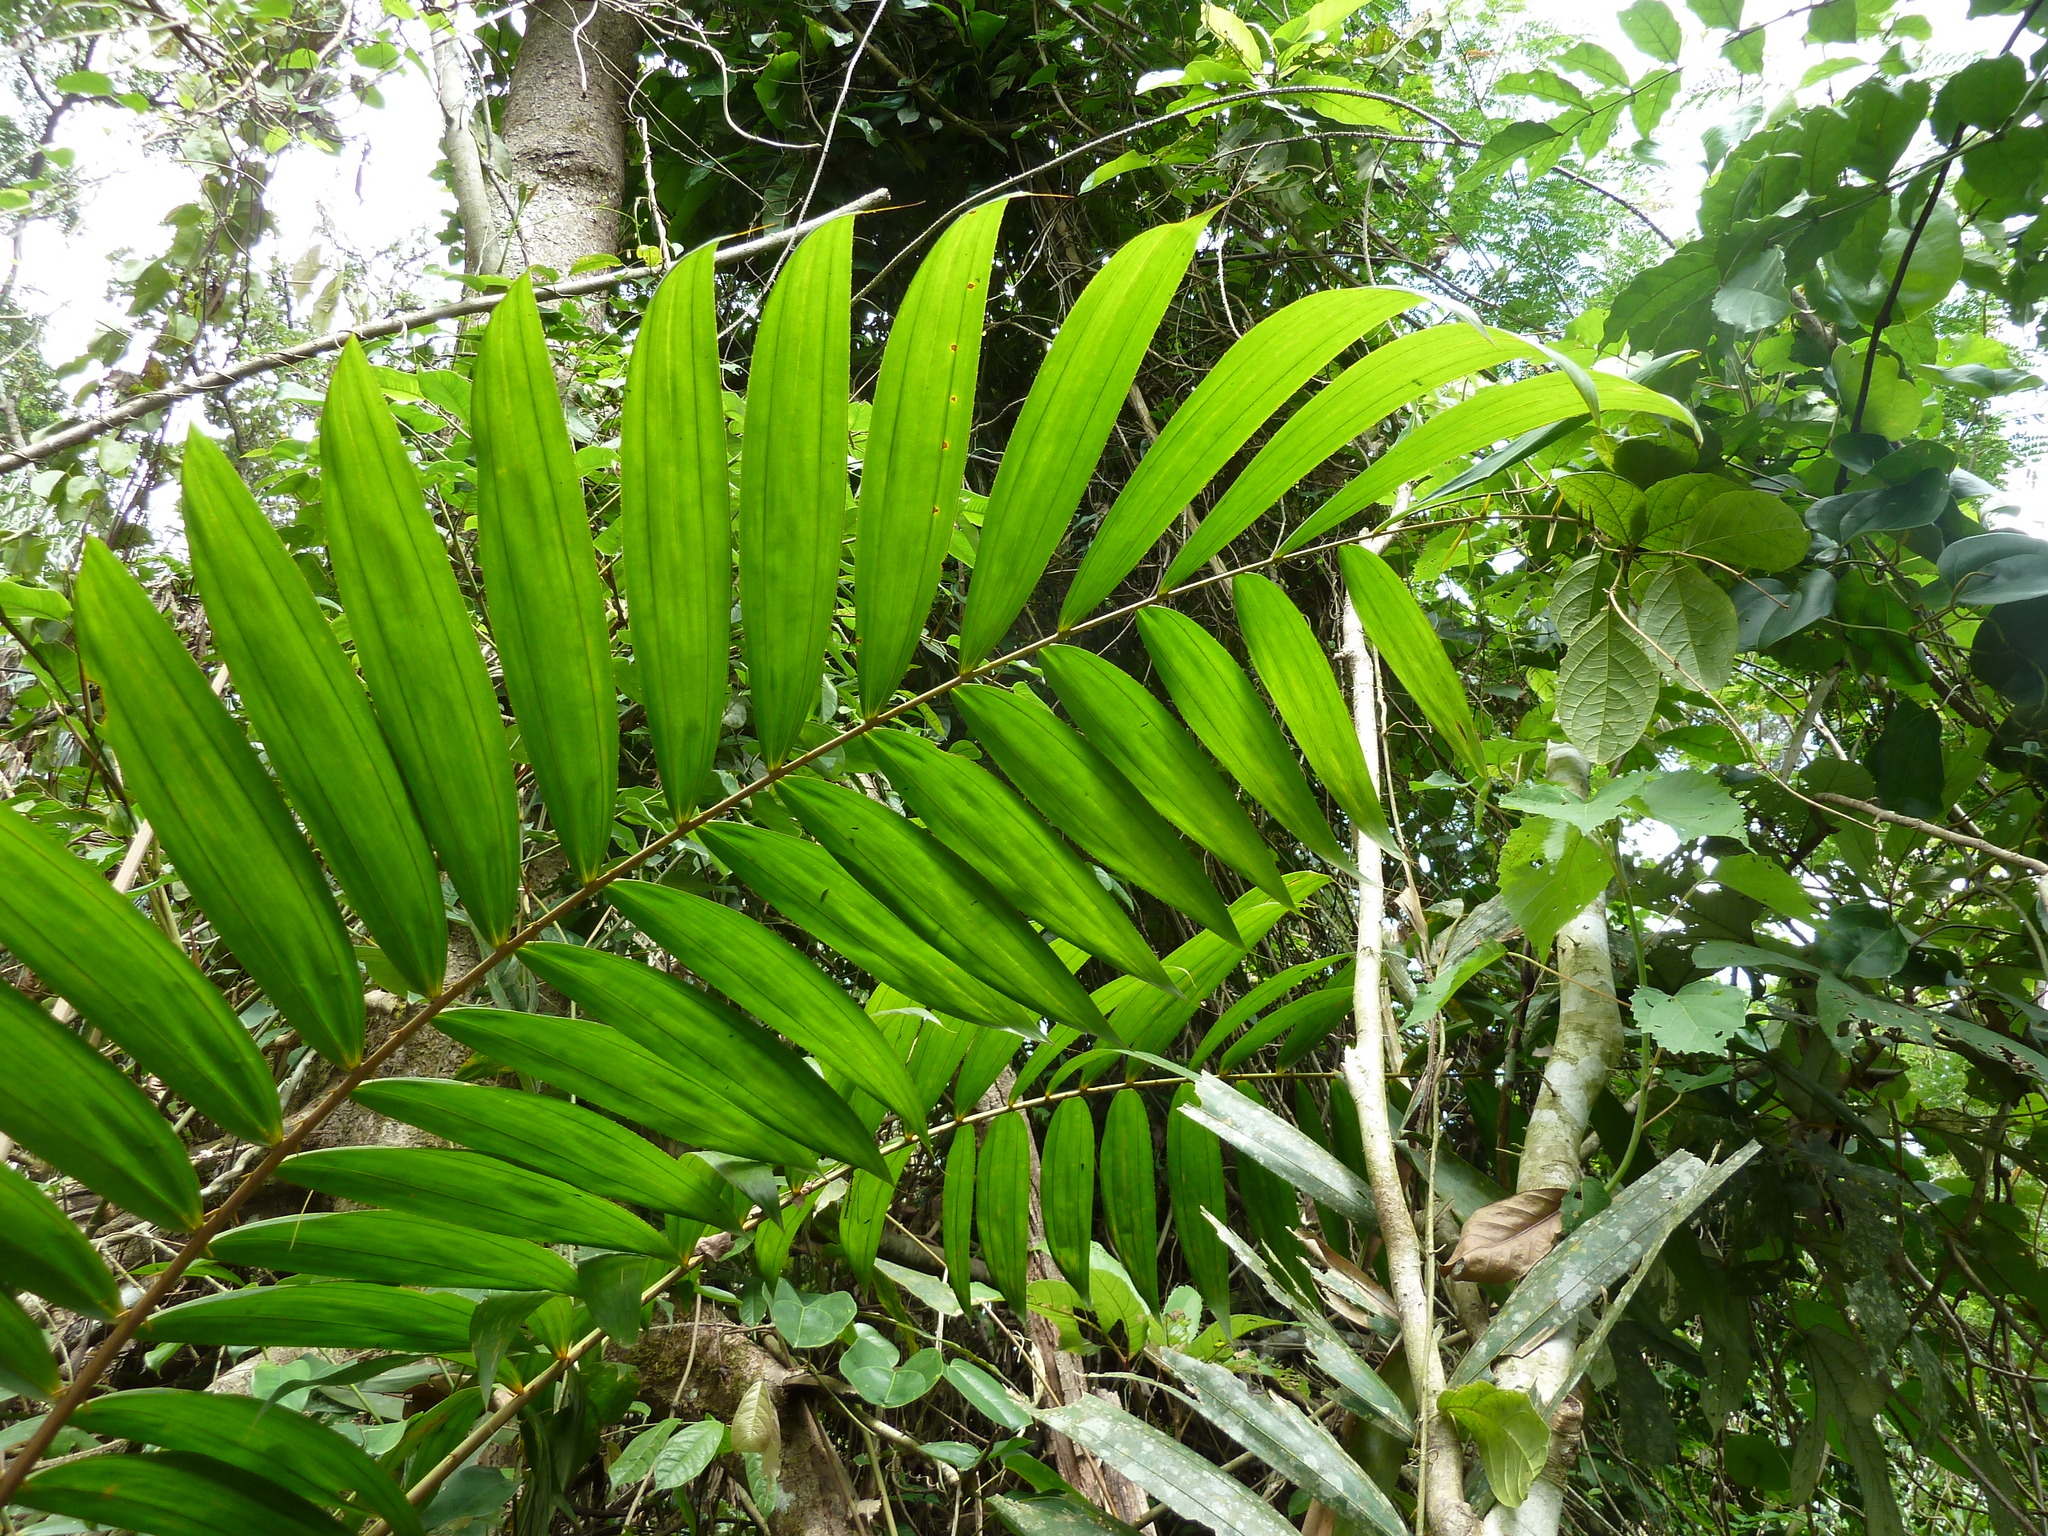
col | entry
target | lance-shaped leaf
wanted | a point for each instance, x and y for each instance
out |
(1399, 630)
(603, 1065)
(820, 895)
(792, 513)
(1571, 1277)
(1292, 664)
(1248, 384)
(981, 819)
(956, 1216)
(43, 1252)
(1288, 1441)
(1394, 375)
(1194, 1185)
(1154, 752)
(1271, 1140)
(1497, 412)
(917, 448)
(1166, 1469)
(1002, 1204)
(87, 943)
(27, 1366)
(1218, 700)
(472, 1190)
(416, 644)
(540, 574)
(943, 899)
(675, 518)
(753, 1076)
(555, 1137)
(1129, 1204)
(259, 1437)
(1076, 789)
(308, 709)
(863, 1214)
(769, 979)
(71, 1107)
(216, 811)
(165, 1493)
(394, 1248)
(340, 1314)
(1066, 1182)
(1065, 421)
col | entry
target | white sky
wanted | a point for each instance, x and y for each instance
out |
(379, 194)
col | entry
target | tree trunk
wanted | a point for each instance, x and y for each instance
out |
(565, 129)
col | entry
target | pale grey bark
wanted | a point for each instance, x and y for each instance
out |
(565, 129)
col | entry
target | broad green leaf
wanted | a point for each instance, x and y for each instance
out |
(1513, 1439)
(27, 1366)
(21, 601)
(540, 574)
(1166, 1469)
(417, 646)
(943, 898)
(1745, 51)
(767, 977)
(263, 1438)
(1218, 700)
(1606, 689)
(216, 812)
(1432, 995)
(1252, 380)
(1155, 753)
(1289, 1442)
(751, 1079)
(1550, 872)
(1076, 789)
(1650, 25)
(1128, 1202)
(1723, 15)
(1754, 297)
(917, 448)
(982, 820)
(1694, 804)
(1762, 880)
(1690, 626)
(166, 1493)
(71, 1107)
(1596, 63)
(1194, 1185)
(1671, 505)
(1612, 800)
(989, 1397)
(1613, 505)
(1066, 420)
(871, 1366)
(675, 519)
(335, 1314)
(1067, 1188)
(1698, 1018)
(1292, 664)
(43, 1252)
(555, 1137)
(956, 1216)
(1271, 1140)
(820, 895)
(633, 1464)
(469, 1189)
(1402, 371)
(610, 1069)
(1983, 94)
(809, 1319)
(1497, 412)
(308, 709)
(792, 507)
(683, 1459)
(2003, 567)
(1747, 530)
(394, 1248)
(1002, 1204)
(1587, 1260)
(1397, 628)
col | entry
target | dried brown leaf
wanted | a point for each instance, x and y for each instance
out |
(1503, 1241)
